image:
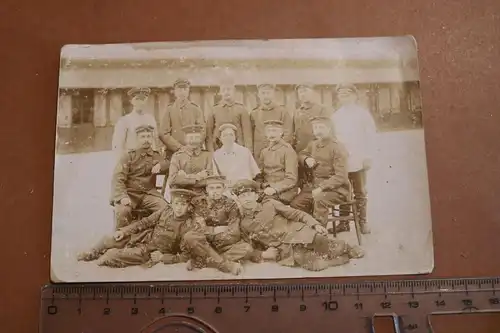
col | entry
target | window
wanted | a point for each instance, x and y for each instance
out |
(82, 107)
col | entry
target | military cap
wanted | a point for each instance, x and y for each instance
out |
(245, 185)
(266, 85)
(182, 193)
(139, 91)
(274, 123)
(215, 179)
(181, 82)
(348, 86)
(144, 128)
(192, 129)
(226, 126)
(319, 119)
(305, 85)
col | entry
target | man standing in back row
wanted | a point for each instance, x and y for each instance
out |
(268, 109)
(124, 136)
(356, 130)
(228, 111)
(308, 108)
(179, 114)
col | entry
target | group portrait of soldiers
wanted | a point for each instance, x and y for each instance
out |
(241, 186)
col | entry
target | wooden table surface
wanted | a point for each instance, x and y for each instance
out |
(459, 49)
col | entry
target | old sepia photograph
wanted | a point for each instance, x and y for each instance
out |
(247, 159)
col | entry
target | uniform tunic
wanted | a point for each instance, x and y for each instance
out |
(329, 174)
(236, 114)
(291, 231)
(303, 133)
(191, 162)
(222, 212)
(269, 112)
(124, 135)
(133, 179)
(177, 238)
(178, 115)
(279, 166)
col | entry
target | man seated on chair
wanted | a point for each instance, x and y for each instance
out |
(220, 217)
(287, 235)
(168, 236)
(134, 179)
(191, 164)
(232, 160)
(279, 165)
(324, 162)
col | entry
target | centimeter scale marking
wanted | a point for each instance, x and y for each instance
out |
(262, 307)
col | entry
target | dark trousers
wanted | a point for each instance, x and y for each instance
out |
(151, 203)
(358, 181)
(318, 207)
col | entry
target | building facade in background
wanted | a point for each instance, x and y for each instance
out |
(92, 94)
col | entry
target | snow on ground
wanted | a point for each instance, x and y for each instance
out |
(398, 212)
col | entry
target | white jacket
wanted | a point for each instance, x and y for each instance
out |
(355, 128)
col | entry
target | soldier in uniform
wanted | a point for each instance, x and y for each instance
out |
(279, 165)
(221, 220)
(268, 110)
(191, 164)
(134, 178)
(124, 137)
(307, 109)
(229, 111)
(287, 235)
(326, 184)
(356, 130)
(168, 236)
(182, 112)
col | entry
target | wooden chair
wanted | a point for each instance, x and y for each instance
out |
(352, 215)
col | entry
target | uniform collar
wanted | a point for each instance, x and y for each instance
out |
(144, 152)
(324, 142)
(268, 107)
(191, 152)
(227, 103)
(276, 145)
(182, 104)
(306, 105)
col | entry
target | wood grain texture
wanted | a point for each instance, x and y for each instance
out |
(459, 48)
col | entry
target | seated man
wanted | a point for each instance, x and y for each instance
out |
(232, 160)
(324, 161)
(288, 235)
(221, 221)
(279, 165)
(134, 179)
(190, 165)
(170, 236)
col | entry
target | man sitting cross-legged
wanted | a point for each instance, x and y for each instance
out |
(220, 216)
(287, 235)
(324, 161)
(171, 235)
(134, 179)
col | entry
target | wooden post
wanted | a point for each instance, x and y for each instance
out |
(100, 108)
(115, 106)
(64, 112)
